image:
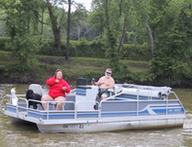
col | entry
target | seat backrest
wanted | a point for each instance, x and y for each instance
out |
(36, 88)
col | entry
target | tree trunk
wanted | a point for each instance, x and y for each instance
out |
(120, 7)
(107, 23)
(55, 27)
(151, 39)
(42, 20)
(68, 30)
(123, 35)
(78, 31)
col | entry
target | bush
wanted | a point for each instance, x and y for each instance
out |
(47, 48)
(78, 48)
(135, 52)
(4, 44)
(85, 48)
(95, 48)
(171, 71)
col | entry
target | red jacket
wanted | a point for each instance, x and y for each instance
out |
(55, 89)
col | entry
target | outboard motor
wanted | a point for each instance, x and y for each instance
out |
(14, 98)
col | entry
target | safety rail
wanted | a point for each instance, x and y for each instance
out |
(21, 109)
(172, 92)
(6, 99)
(145, 87)
(3, 103)
(23, 105)
(147, 91)
(165, 99)
(75, 106)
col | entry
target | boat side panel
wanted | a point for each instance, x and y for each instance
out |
(111, 126)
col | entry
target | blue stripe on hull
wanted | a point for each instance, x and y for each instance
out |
(169, 111)
(11, 109)
(70, 115)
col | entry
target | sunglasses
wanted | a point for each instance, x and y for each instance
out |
(109, 73)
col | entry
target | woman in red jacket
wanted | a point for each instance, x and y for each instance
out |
(58, 88)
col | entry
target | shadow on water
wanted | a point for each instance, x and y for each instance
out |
(24, 125)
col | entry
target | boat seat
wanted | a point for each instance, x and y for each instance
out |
(36, 88)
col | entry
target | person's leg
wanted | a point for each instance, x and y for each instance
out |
(104, 95)
(44, 99)
(60, 102)
(97, 101)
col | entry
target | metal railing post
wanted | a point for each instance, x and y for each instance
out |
(75, 114)
(48, 111)
(99, 110)
(166, 106)
(137, 101)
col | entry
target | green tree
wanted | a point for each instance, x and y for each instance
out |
(56, 28)
(173, 58)
(79, 22)
(68, 29)
(22, 23)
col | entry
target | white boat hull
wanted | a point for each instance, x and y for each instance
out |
(110, 126)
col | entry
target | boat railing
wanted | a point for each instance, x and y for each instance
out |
(8, 98)
(3, 101)
(172, 92)
(166, 100)
(146, 87)
(147, 91)
(23, 105)
(75, 105)
(138, 94)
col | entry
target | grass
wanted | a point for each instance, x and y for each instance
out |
(78, 65)
(75, 67)
(87, 61)
(5, 57)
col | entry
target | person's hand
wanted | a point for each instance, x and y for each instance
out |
(57, 80)
(101, 83)
(64, 88)
(93, 81)
(97, 83)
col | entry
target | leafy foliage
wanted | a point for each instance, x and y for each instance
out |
(155, 30)
(21, 21)
(173, 59)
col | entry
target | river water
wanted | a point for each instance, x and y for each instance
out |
(20, 134)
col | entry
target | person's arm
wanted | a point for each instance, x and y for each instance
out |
(99, 82)
(51, 81)
(66, 87)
